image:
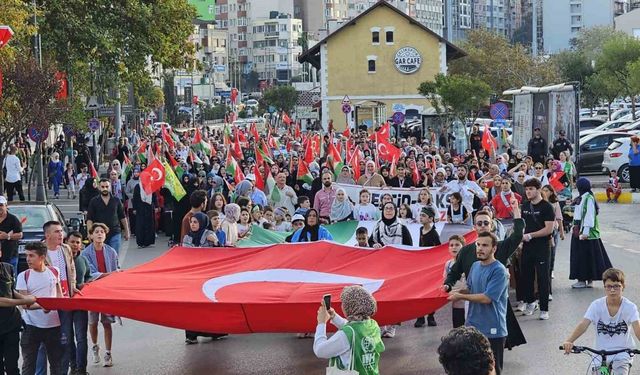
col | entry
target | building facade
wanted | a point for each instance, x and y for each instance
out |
(562, 20)
(274, 48)
(457, 19)
(629, 23)
(374, 65)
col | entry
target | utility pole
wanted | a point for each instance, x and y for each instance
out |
(534, 28)
(41, 194)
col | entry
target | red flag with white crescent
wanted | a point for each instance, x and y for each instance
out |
(272, 288)
(152, 178)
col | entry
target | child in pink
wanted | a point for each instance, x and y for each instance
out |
(613, 187)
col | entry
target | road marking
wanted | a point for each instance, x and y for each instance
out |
(632, 251)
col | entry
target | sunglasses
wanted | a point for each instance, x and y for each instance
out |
(483, 223)
(538, 167)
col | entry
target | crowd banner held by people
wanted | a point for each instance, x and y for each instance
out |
(215, 290)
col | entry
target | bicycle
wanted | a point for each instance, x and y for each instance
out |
(605, 368)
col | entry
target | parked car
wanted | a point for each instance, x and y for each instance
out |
(631, 127)
(33, 215)
(616, 158)
(592, 148)
(252, 103)
(607, 126)
(590, 123)
(601, 113)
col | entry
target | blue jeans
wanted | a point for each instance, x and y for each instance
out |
(78, 347)
(14, 263)
(41, 361)
(115, 241)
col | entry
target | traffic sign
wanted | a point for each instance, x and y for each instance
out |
(398, 118)
(346, 108)
(68, 130)
(152, 115)
(38, 135)
(499, 111)
(92, 103)
(94, 124)
(500, 123)
(346, 100)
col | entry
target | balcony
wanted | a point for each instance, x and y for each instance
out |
(271, 34)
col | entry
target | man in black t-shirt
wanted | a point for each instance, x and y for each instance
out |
(10, 320)
(539, 217)
(108, 210)
(10, 233)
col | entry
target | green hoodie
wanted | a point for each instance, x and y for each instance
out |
(367, 346)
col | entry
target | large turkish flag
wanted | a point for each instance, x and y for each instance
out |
(275, 288)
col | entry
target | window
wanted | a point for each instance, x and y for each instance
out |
(375, 37)
(389, 37)
(371, 63)
(388, 31)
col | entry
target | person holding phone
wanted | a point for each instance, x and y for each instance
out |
(634, 164)
(359, 327)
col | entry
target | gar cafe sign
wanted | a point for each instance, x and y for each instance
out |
(408, 60)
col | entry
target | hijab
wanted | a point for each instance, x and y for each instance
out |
(312, 230)
(203, 220)
(89, 188)
(358, 303)
(584, 187)
(388, 231)
(340, 209)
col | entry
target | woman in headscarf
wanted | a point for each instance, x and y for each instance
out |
(200, 233)
(342, 208)
(116, 166)
(588, 258)
(182, 207)
(345, 176)
(230, 223)
(56, 169)
(129, 191)
(312, 230)
(358, 327)
(389, 231)
(440, 178)
(370, 177)
(145, 217)
(88, 191)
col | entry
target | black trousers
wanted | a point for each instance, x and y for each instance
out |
(535, 263)
(457, 316)
(9, 352)
(14, 186)
(32, 337)
(497, 347)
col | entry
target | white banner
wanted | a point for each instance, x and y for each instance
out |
(400, 195)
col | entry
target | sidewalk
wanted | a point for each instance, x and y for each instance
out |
(626, 197)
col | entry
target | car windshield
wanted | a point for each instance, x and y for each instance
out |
(31, 217)
(614, 145)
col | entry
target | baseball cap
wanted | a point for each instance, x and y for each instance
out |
(3, 200)
(295, 217)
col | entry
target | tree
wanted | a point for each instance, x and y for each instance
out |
(148, 96)
(617, 54)
(282, 97)
(634, 76)
(492, 59)
(170, 97)
(16, 14)
(456, 96)
(605, 85)
(28, 98)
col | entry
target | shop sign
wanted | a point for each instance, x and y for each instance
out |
(408, 60)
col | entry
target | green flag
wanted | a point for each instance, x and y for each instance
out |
(172, 183)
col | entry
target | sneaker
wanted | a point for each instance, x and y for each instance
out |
(420, 322)
(431, 321)
(589, 284)
(544, 315)
(521, 306)
(108, 361)
(530, 309)
(389, 332)
(579, 285)
(550, 297)
(96, 353)
(553, 275)
(191, 341)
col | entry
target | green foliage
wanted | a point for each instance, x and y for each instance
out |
(284, 98)
(148, 96)
(457, 96)
(492, 59)
(17, 15)
(215, 113)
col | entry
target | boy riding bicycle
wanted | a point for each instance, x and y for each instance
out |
(613, 317)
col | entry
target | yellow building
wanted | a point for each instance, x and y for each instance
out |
(374, 64)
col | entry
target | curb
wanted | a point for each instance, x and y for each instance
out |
(625, 197)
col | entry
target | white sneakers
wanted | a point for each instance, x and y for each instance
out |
(544, 315)
(108, 361)
(530, 308)
(521, 306)
(388, 331)
(96, 353)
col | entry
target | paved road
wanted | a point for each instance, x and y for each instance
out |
(141, 348)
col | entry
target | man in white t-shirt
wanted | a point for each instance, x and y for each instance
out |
(41, 326)
(613, 317)
(13, 181)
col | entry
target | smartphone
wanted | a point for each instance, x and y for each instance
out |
(327, 301)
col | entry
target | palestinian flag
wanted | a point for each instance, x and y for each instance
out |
(336, 159)
(142, 152)
(127, 167)
(234, 169)
(227, 135)
(258, 176)
(304, 174)
(274, 192)
(176, 167)
(260, 155)
(194, 157)
(172, 183)
(200, 144)
(167, 138)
